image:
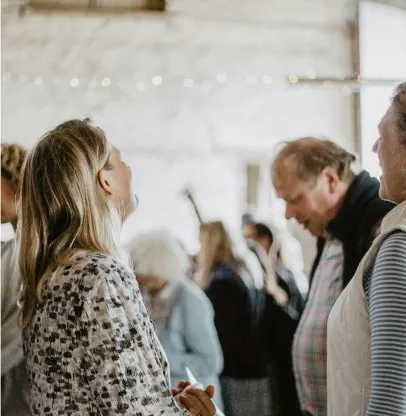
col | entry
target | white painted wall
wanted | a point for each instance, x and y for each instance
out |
(174, 135)
(383, 56)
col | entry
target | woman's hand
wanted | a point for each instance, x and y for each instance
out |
(180, 387)
(271, 280)
(196, 400)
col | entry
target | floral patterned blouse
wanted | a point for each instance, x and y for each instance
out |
(91, 347)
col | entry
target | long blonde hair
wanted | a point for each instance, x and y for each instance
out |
(216, 249)
(63, 209)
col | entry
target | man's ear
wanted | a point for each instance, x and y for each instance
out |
(332, 179)
(104, 178)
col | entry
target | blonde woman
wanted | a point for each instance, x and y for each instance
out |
(14, 386)
(181, 312)
(90, 345)
(244, 381)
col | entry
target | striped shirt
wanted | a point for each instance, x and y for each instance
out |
(310, 342)
(385, 290)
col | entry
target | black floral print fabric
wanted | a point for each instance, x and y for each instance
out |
(91, 348)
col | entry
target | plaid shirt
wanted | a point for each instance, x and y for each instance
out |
(310, 343)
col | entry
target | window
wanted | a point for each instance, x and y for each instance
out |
(382, 34)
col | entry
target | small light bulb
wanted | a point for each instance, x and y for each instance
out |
(38, 81)
(157, 80)
(106, 82)
(293, 79)
(74, 82)
(359, 78)
(188, 82)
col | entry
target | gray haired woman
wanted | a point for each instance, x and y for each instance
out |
(182, 314)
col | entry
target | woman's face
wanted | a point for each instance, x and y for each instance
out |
(392, 157)
(8, 201)
(117, 182)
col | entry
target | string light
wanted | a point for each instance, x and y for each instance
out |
(188, 82)
(344, 83)
(74, 82)
(293, 79)
(156, 80)
(106, 82)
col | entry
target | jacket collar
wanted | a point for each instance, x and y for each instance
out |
(395, 217)
(363, 191)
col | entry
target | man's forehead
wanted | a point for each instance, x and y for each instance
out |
(287, 185)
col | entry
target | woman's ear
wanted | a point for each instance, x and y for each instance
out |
(104, 178)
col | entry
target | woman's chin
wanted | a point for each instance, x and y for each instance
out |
(382, 190)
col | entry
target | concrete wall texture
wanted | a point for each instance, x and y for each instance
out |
(190, 96)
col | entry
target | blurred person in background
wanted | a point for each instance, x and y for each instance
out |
(280, 330)
(366, 370)
(14, 383)
(261, 239)
(316, 179)
(182, 313)
(90, 345)
(231, 288)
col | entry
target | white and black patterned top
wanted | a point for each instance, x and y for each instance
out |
(385, 290)
(91, 347)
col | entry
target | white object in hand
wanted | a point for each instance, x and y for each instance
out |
(194, 382)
